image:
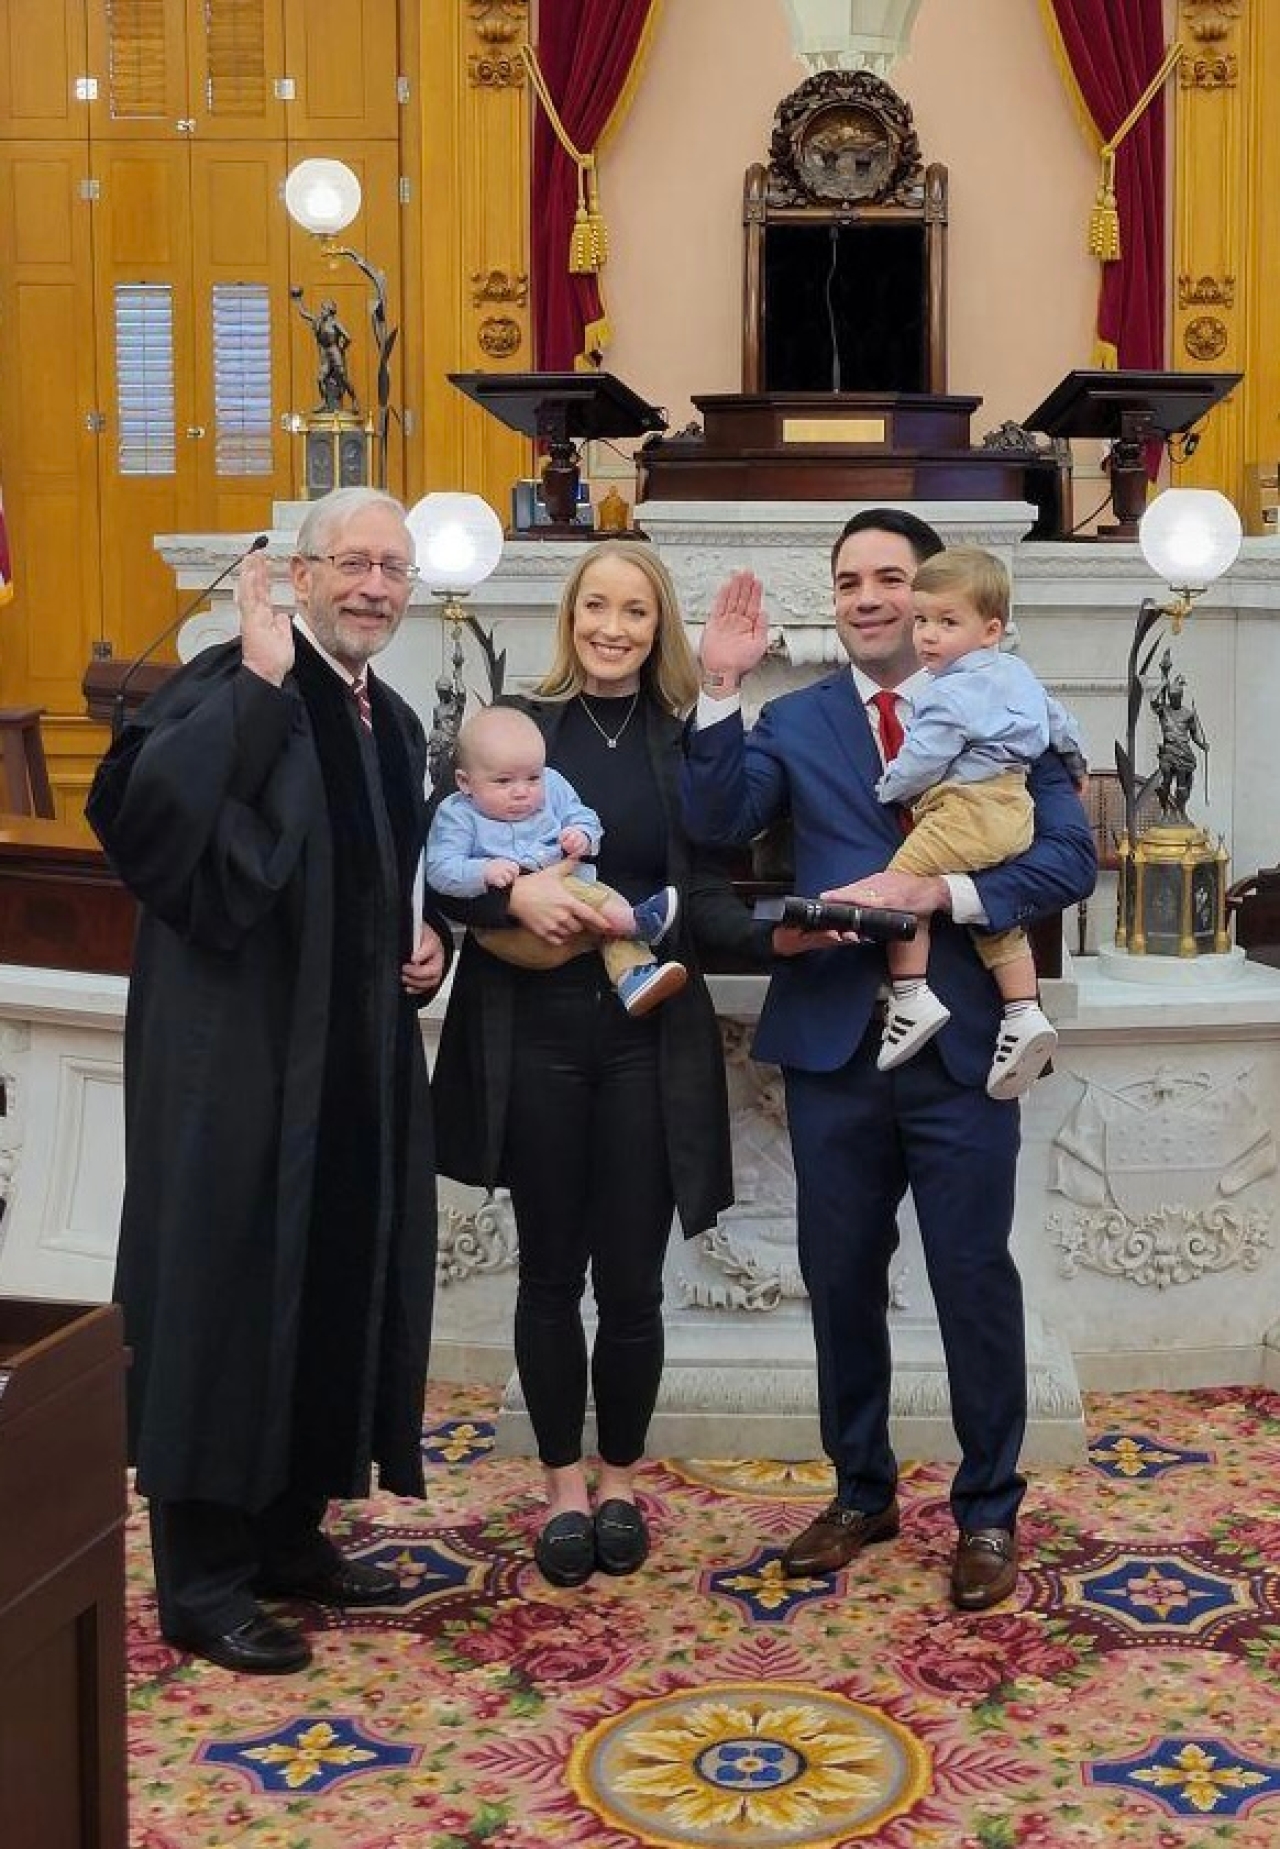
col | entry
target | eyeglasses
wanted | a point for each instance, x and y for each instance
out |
(355, 565)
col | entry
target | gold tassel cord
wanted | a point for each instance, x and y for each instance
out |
(589, 238)
(1104, 220)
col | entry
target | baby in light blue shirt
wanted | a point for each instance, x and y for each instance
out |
(513, 814)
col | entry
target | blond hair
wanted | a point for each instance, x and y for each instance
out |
(670, 674)
(494, 726)
(977, 575)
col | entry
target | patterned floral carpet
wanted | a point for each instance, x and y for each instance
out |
(1129, 1694)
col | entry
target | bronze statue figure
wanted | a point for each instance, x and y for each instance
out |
(332, 341)
(1181, 734)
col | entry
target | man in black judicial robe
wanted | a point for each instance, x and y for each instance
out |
(277, 1246)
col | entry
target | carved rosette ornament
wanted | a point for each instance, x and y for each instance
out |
(495, 73)
(844, 138)
(499, 336)
(1205, 338)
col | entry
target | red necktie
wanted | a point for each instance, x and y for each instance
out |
(360, 693)
(891, 736)
(891, 733)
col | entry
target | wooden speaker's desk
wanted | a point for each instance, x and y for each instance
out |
(61, 906)
(62, 1584)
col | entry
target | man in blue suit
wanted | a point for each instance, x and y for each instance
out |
(861, 1137)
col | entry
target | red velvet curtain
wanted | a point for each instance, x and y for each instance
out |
(586, 49)
(1115, 48)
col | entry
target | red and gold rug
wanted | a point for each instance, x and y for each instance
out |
(1128, 1695)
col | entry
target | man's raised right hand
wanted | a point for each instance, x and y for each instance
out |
(736, 633)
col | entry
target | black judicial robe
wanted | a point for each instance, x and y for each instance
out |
(277, 1247)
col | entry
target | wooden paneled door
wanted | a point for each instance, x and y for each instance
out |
(150, 352)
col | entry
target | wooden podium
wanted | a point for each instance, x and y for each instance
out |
(61, 906)
(62, 1657)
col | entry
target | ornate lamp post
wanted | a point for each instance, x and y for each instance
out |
(1172, 894)
(458, 541)
(323, 196)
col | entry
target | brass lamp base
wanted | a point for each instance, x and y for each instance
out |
(1172, 899)
(339, 452)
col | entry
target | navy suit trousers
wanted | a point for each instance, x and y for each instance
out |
(861, 1138)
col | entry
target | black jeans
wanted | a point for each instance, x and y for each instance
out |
(586, 1161)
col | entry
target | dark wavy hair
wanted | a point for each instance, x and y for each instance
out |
(919, 535)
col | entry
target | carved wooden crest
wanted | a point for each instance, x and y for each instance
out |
(844, 138)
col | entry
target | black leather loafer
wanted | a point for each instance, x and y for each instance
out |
(344, 1582)
(566, 1549)
(258, 1647)
(622, 1537)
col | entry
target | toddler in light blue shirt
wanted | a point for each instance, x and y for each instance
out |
(969, 742)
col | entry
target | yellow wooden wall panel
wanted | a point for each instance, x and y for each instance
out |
(1262, 269)
(183, 86)
(138, 54)
(474, 123)
(342, 55)
(49, 452)
(42, 51)
(142, 235)
(239, 235)
(1226, 257)
(235, 57)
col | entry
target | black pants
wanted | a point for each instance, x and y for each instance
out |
(208, 1554)
(586, 1161)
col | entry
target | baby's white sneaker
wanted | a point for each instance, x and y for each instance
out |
(911, 1023)
(1024, 1047)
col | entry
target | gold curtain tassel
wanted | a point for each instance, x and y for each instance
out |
(599, 230)
(582, 249)
(582, 256)
(1104, 220)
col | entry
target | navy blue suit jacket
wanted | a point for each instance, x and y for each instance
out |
(812, 755)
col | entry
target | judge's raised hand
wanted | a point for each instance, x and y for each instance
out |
(736, 634)
(543, 904)
(266, 633)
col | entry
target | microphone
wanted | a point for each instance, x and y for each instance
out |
(869, 921)
(831, 308)
(117, 707)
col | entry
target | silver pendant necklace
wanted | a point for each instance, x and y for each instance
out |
(611, 738)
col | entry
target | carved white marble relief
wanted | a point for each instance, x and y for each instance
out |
(1153, 1168)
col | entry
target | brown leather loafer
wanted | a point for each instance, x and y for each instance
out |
(985, 1569)
(831, 1541)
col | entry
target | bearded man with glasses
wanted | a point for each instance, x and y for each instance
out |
(277, 1245)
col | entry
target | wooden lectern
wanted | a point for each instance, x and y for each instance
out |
(1133, 409)
(561, 409)
(62, 1583)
